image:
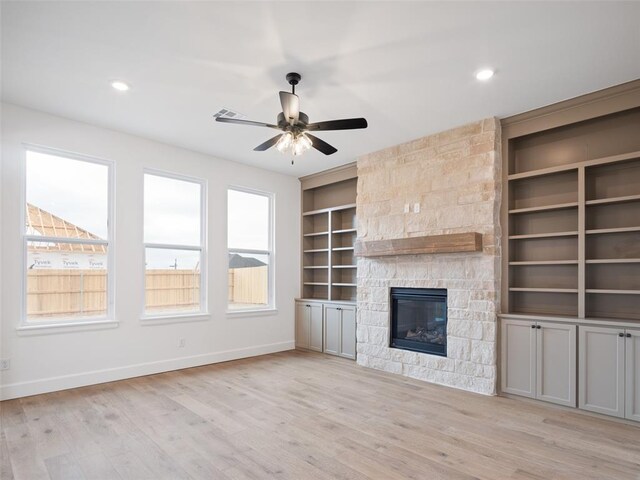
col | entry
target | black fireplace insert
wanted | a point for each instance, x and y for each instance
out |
(419, 320)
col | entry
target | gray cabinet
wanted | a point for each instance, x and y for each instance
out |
(632, 378)
(539, 360)
(309, 326)
(326, 327)
(609, 368)
(518, 357)
(340, 330)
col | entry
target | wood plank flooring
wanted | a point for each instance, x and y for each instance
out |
(298, 415)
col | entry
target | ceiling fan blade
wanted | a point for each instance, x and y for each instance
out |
(345, 124)
(268, 144)
(290, 106)
(246, 122)
(321, 145)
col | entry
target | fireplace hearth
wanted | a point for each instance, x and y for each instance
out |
(419, 320)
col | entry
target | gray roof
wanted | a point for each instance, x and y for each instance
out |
(238, 261)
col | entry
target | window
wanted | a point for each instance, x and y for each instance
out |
(67, 238)
(249, 243)
(174, 241)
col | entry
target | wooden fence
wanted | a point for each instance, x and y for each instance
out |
(53, 293)
(249, 286)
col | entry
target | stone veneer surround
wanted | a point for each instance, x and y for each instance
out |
(456, 178)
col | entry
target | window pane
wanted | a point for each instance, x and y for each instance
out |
(248, 221)
(248, 281)
(172, 281)
(171, 211)
(65, 197)
(66, 280)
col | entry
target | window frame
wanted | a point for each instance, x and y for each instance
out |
(203, 311)
(109, 243)
(270, 253)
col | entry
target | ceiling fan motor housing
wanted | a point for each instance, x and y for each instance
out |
(303, 121)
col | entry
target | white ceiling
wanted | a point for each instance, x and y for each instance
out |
(407, 67)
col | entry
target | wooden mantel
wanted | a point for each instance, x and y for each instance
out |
(451, 243)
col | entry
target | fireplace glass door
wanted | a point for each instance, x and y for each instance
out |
(419, 320)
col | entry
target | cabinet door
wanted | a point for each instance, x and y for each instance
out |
(348, 332)
(332, 329)
(632, 369)
(518, 357)
(601, 370)
(315, 330)
(302, 325)
(556, 363)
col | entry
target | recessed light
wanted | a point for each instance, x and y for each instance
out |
(120, 86)
(485, 74)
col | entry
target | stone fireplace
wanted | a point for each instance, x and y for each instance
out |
(450, 184)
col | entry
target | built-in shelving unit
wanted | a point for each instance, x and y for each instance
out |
(573, 219)
(328, 239)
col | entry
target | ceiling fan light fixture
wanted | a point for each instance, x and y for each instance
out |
(285, 142)
(304, 140)
(301, 144)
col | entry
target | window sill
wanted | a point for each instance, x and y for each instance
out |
(257, 312)
(66, 327)
(174, 318)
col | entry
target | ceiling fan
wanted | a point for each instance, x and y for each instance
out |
(295, 126)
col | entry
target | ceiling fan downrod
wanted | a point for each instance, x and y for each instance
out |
(293, 78)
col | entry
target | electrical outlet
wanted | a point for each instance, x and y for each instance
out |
(182, 343)
(5, 364)
(406, 208)
(416, 208)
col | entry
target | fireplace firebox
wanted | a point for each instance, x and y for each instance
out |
(419, 320)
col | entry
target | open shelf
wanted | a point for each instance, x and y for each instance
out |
(605, 201)
(540, 192)
(546, 262)
(544, 249)
(542, 208)
(543, 290)
(613, 305)
(614, 292)
(328, 238)
(612, 230)
(572, 242)
(614, 260)
(546, 303)
(543, 235)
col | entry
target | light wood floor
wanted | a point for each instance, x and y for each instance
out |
(299, 416)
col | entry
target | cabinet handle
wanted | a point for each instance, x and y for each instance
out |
(307, 305)
(533, 326)
(338, 308)
(628, 335)
(621, 334)
(538, 327)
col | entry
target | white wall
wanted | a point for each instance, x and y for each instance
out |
(52, 360)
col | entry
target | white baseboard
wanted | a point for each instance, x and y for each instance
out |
(54, 384)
